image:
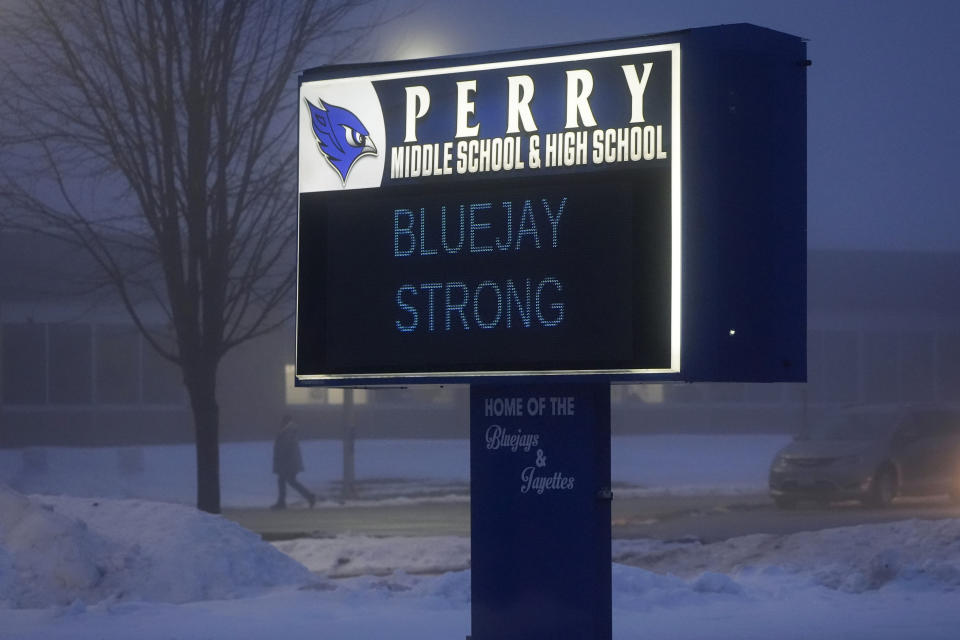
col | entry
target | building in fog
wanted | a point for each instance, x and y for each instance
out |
(882, 327)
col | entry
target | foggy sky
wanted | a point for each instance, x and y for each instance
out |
(883, 93)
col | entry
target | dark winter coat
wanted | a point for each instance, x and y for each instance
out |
(287, 460)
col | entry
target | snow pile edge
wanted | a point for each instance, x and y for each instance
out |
(56, 551)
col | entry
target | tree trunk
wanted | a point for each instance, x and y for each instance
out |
(201, 382)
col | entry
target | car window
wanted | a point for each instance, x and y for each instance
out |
(937, 424)
(907, 430)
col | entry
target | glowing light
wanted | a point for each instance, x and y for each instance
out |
(419, 45)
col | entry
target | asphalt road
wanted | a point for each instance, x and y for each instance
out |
(719, 518)
(707, 518)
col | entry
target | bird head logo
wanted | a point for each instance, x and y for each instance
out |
(341, 137)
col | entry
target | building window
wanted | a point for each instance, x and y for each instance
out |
(316, 395)
(70, 363)
(24, 367)
(81, 364)
(118, 364)
(162, 380)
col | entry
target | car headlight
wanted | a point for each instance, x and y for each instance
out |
(779, 463)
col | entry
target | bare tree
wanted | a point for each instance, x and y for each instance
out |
(158, 137)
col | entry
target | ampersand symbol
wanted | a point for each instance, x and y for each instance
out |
(541, 459)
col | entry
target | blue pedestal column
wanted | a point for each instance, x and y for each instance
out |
(540, 511)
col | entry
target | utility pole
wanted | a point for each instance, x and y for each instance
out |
(349, 437)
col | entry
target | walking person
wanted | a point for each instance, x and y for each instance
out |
(287, 463)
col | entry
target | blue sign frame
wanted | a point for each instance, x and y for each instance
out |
(630, 210)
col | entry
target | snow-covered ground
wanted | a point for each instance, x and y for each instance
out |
(84, 569)
(101, 567)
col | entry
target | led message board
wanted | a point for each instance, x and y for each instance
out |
(512, 214)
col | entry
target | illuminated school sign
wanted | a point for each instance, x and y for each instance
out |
(520, 118)
(495, 216)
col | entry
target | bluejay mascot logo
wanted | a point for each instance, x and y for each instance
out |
(341, 136)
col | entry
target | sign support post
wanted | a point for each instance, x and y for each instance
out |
(540, 511)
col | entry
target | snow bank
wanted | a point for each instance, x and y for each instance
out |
(94, 569)
(914, 555)
(45, 557)
(56, 551)
(358, 555)
(923, 554)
